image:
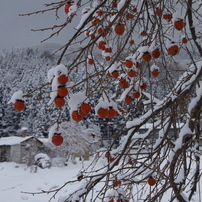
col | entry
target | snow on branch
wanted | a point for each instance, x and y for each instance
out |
(186, 83)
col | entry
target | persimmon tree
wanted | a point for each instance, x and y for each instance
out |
(127, 51)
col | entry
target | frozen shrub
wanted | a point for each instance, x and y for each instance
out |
(42, 160)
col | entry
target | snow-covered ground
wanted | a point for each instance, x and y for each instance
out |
(17, 178)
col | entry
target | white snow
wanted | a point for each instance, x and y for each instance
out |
(153, 67)
(53, 95)
(16, 179)
(84, 17)
(60, 70)
(13, 140)
(41, 155)
(141, 51)
(72, 9)
(106, 102)
(51, 74)
(18, 95)
(55, 128)
(76, 100)
(121, 4)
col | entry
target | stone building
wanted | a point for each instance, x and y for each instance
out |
(19, 149)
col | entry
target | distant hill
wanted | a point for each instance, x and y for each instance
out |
(25, 69)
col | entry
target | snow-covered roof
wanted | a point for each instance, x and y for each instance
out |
(13, 140)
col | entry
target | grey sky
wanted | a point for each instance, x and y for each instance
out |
(15, 30)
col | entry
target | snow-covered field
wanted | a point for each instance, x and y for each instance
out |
(17, 178)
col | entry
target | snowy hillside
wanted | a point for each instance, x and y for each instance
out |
(24, 69)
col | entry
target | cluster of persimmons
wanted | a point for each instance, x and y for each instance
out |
(107, 27)
(125, 71)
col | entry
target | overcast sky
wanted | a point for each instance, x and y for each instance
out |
(15, 30)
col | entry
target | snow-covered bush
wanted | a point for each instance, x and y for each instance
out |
(42, 160)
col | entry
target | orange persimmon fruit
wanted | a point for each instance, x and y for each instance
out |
(107, 58)
(63, 79)
(19, 105)
(115, 74)
(158, 11)
(184, 40)
(132, 73)
(101, 47)
(130, 162)
(95, 21)
(136, 94)
(119, 29)
(143, 86)
(168, 17)
(137, 64)
(146, 56)
(108, 50)
(112, 113)
(132, 42)
(100, 12)
(129, 63)
(129, 16)
(67, 6)
(155, 72)
(82, 114)
(124, 83)
(134, 10)
(128, 99)
(101, 43)
(103, 113)
(179, 24)
(76, 116)
(156, 53)
(57, 139)
(117, 183)
(62, 91)
(143, 33)
(90, 61)
(92, 36)
(107, 154)
(109, 75)
(151, 181)
(99, 31)
(59, 101)
(173, 50)
(114, 5)
(86, 108)
(87, 33)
